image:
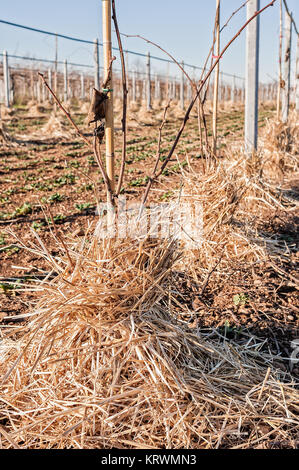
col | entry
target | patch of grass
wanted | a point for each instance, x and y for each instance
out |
(240, 299)
(83, 206)
(56, 197)
(166, 196)
(24, 209)
(38, 225)
(23, 156)
(91, 161)
(69, 178)
(138, 182)
(58, 219)
(74, 164)
(87, 187)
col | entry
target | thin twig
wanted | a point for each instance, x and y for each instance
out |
(108, 76)
(233, 14)
(72, 263)
(97, 153)
(290, 15)
(187, 114)
(92, 147)
(158, 148)
(65, 111)
(163, 50)
(125, 94)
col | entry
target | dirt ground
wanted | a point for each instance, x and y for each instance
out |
(61, 174)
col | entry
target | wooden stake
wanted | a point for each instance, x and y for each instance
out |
(109, 127)
(6, 80)
(252, 75)
(96, 65)
(279, 64)
(297, 75)
(285, 105)
(216, 78)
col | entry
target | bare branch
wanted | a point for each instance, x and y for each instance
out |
(125, 93)
(290, 15)
(233, 14)
(163, 50)
(65, 111)
(186, 117)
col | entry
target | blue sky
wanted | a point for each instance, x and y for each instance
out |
(182, 28)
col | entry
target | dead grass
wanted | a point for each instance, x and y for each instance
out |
(105, 361)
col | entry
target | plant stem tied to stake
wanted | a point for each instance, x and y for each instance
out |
(109, 127)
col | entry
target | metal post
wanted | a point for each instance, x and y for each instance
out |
(234, 90)
(31, 84)
(6, 79)
(285, 105)
(156, 87)
(189, 92)
(43, 93)
(222, 89)
(182, 86)
(297, 75)
(127, 62)
(96, 65)
(50, 83)
(134, 86)
(38, 91)
(65, 81)
(82, 87)
(252, 75)
(148, 84)
(216, 79)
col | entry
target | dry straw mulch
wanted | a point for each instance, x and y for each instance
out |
(105, 360)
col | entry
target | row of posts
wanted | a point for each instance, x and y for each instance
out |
(252, 74)
(251, 79)
(143, 89)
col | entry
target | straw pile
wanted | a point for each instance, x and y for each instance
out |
(107, 361)
(146, 117)
(36, 110)
(104, 362)
(56, 127)
(84, 107)
(5, 138)
(6, 113)
(283, 136)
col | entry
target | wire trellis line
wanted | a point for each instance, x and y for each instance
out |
(85, 41)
